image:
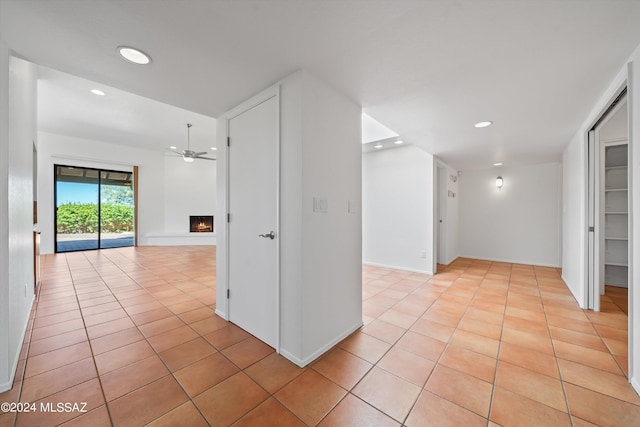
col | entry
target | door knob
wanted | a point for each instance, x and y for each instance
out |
(270, 235)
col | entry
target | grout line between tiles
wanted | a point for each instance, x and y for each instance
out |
(95, 366)
(130, 272)
(495, 374)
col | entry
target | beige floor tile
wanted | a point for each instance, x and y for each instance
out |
(387, 392)
(148, 324)
(310, 396)
(449, 414)
(465, 390)
(342, 367)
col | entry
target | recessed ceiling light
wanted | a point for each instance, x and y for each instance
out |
(497, 164)
(173, 147)
(97, 92)
(214, 148)
(134, 55)
(377, 146)
(398, 142)
(483, 124)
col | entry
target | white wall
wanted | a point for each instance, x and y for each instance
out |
(6, 361)
(291, 197)
(332, 242)
(397, 209)
(17, 226)
(165, 186)
(320, 253)
(189, 189)
(520, 223)
(634, 231)
(574, 218)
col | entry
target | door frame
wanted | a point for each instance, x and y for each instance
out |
(273, 92)
(595, 199)
(593, 218)
(440, 214)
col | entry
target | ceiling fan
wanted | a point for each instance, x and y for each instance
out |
(189, 155)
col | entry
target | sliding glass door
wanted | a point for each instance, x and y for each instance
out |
(94, 209)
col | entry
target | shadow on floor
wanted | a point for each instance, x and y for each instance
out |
(83, 245)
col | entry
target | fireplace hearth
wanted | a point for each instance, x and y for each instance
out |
(201, 224)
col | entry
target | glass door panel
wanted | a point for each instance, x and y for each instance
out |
(76, 193)
(116, 209)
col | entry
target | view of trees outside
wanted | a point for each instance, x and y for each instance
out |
(94, 209)
(82, 217)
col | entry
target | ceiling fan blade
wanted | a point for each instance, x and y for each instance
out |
(206, 158)
(200, 153)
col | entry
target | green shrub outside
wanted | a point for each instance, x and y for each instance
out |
(83, 218)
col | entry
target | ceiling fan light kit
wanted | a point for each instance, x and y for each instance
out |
(189, 155)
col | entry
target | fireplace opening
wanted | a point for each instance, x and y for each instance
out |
(201, 224)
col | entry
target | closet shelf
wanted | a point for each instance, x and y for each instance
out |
(618, 264)
(615, 211)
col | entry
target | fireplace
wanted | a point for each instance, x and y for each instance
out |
(201, 224)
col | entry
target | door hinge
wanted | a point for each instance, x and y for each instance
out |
(228, 217)
(228, 142)
(228, 293)
(592, 229)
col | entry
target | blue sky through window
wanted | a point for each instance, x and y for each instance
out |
(73, 192)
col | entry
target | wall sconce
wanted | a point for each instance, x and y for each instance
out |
(499, 182)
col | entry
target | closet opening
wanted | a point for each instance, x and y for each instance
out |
(608, 223)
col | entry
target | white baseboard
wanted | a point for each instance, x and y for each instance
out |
(583, 303)
(6, 385)
(313, 356)
(396, 267)
(636, 385)
(510, 261)
(180, 239)
(449, 261)
(222, 314)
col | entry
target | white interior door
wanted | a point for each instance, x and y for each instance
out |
(253, 223)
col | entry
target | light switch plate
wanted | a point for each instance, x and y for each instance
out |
(320, 204)
(353, 207)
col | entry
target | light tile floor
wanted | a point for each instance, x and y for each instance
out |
(132, 333)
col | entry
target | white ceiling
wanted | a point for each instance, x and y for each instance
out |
(427, 69)
(373, 130)
(66, 106)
